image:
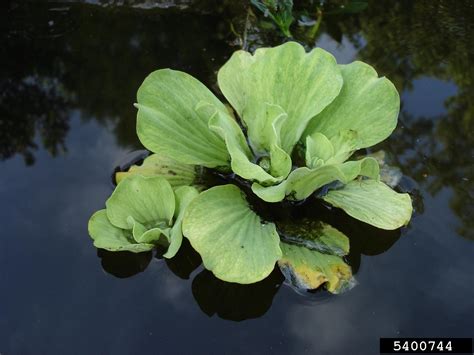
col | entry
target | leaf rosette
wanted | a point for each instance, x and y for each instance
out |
(281, 98)
(142, 213)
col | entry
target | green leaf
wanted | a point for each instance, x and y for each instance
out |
(344, 143)
(367, 167)
(140, 212)
(366, 104)
(149, 200)
(319, 149)
(232, 240)
(280, 11)
(302, 182)
(241, 156)
(314, 235)
(309, 269)
(155, 235)
(301, 83)
(280, 161)
(107, 236)
(239, 151)
(143, 235)
(177, 174)
(137, 228)
(372, 202)
(184, 196)
(168, 123)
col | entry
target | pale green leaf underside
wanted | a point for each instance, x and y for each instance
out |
(177, 174)
(155, 235)
(137, 228)
(107, 236)
(309, 269)
(321, 150)
(149, 200)
(366, 104)
(318, 148)
(143, 235)
(280, 161)
(373, 202)
(167, 121)
(184, 195)
(302, 182)
(239, 151)
(301, 83)
(231, 239)
(367, 167)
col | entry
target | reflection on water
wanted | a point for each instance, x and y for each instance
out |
(75, 56)
(233, 301)
(29, 106)
(68, 80)
(239, 302)
(398, 44)
(124, 264)
(90, 58)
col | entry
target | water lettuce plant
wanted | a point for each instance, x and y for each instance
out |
(141, 213)
(293, 123)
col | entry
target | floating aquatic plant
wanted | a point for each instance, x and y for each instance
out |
(283, 101)
(141, 213)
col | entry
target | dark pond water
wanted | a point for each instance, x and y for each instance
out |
(68, 77)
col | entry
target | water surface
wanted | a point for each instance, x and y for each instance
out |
(68, 80)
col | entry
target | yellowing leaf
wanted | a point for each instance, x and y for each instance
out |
(309, 269)
(177, 174)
